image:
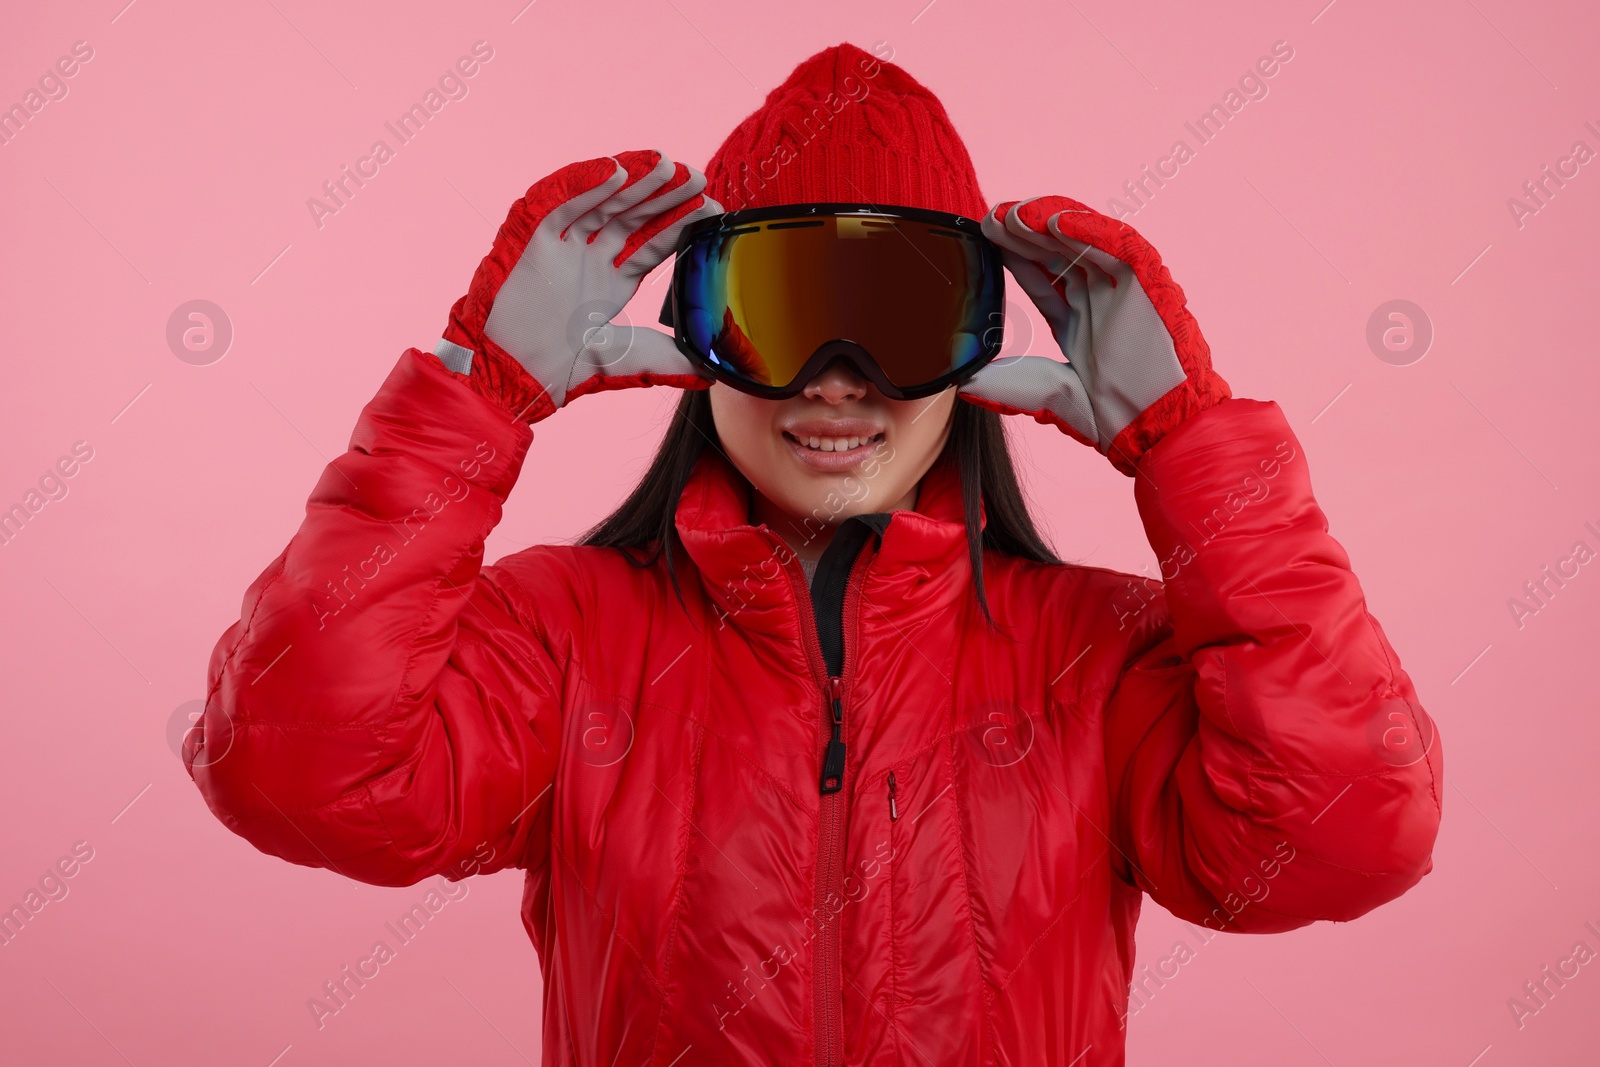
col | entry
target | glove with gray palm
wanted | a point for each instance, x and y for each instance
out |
(1136, 362)
(536, 328)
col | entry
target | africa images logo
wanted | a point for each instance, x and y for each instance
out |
(451, 85)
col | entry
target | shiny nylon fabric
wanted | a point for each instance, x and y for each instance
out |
(761, 298)
(654, 772)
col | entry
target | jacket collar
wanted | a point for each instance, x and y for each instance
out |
(920, 564)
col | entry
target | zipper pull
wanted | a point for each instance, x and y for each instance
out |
(833, 760)
(894, 813)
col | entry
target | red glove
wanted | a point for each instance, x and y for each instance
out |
(1136, 363)
(535, 328)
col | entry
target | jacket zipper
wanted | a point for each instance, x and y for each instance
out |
(894, 813)
(828, 984)
(833, 754)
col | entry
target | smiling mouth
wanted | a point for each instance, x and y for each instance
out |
(834, 444)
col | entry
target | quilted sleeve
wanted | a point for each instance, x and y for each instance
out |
(381, 708)
(1268, 760)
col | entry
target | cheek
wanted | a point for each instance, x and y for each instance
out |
(743, 422)
(921, 428)
(744, 427)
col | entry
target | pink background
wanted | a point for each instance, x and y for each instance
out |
(178, 167)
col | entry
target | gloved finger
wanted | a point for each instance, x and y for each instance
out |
(631, 356)
(661, 235)
(1027, 223)
(1117, 247)
(1035, 220)
(646, 350)
(561, 198)
(1050, 301)
(1085, 252)
(1000, 226)
(680, 207)
(684, 184)
(647, 171)
(1069, 315)
(1025, 229)
(1037, 385)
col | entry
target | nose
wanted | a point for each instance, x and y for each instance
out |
(840, 380)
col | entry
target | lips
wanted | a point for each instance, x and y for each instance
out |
(831, 445)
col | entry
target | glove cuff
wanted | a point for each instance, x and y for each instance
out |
(1194, 395)
(496, 377)
(500, 378)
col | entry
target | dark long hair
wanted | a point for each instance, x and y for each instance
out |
(977, 441)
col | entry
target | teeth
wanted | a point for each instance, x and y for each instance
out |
(835, 444)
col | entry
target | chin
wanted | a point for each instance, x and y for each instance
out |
(833, 504)
(859, 484)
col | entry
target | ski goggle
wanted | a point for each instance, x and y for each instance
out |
(765, 298)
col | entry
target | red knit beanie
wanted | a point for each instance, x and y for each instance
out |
(847, 126)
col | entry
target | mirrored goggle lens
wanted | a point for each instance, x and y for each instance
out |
(760, 299)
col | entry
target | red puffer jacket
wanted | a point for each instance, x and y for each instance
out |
(1239, 742)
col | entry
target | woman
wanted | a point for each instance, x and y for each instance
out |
(812, 751)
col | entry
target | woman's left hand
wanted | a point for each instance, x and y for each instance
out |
(1136, 365)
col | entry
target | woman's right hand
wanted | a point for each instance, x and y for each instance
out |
(535, 328)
